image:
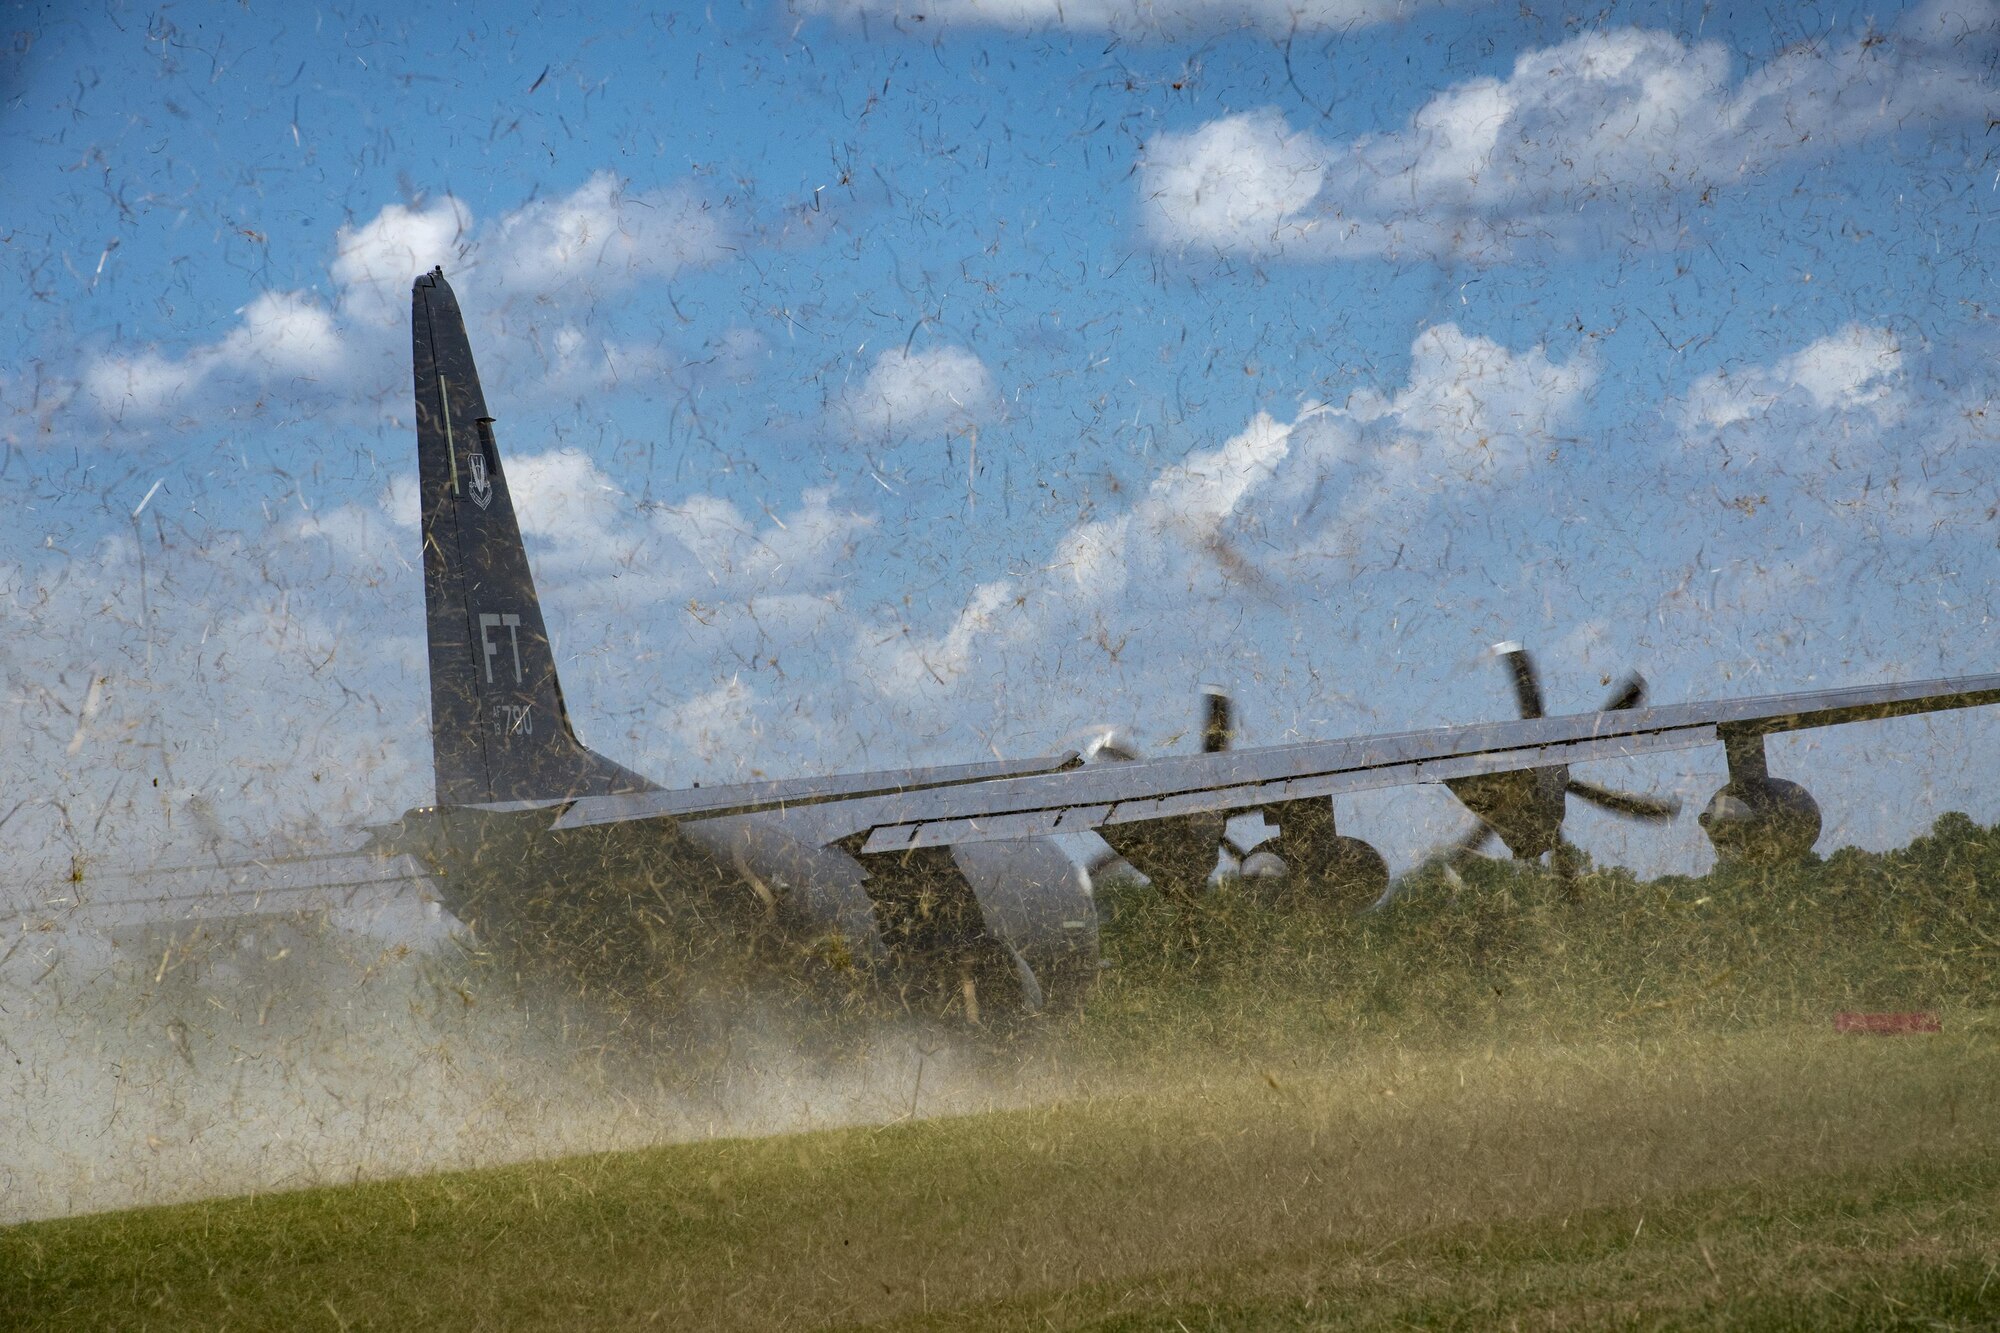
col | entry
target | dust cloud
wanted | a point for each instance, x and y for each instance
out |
(144, 1068)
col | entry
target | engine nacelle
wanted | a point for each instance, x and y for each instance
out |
(1757, 818)
(1349, 872)
(1772, 820)
(1176, 854)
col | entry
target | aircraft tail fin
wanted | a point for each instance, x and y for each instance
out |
(499, 730)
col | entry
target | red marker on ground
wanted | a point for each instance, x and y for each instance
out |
(1886, 1025)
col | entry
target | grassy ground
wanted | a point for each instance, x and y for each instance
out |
(1900, 1246)
(1500, 1107)
(1566, 1185)
(1511, 957)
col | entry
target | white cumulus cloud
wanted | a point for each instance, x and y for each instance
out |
(563, 496)
(1853, 428)
(1608, 124)
(1267, 519)
(1473, 410)
(375, 262)
(1242, 182)
(558, 252)
(909, 392)
(1855, 369)
(604, 235)
(279, 336)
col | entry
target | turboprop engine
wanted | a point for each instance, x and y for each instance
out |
(1524, 807)
(1757, 818)
(1177, 855)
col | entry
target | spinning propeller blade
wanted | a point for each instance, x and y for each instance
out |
(1449, 857)
(1527, 685)
(1526, 807)
(1469, 843)
(1651, 809)
(1631, 692)
(1168, 849)
(1218, 728)
(1307, 847)
(1108, 744)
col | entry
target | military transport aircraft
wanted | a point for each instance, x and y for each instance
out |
(948, 872)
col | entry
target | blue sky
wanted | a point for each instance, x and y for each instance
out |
(886, 389)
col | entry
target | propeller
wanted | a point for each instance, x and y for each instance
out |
(1307, 848)
(1648, 809)
(1527, 684)
(1525, 808)
(1110, 744)
(1629, 693)
(1218, 733)
(1218, 724)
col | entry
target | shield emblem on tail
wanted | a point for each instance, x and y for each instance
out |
(481, 488)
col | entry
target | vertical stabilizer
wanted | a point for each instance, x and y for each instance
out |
(499, 731)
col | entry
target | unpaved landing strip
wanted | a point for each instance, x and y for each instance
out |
(1785, 1176)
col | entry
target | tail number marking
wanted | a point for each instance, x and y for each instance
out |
(490, 621)
(514, 720)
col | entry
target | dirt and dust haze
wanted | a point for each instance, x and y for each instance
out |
(143, 1068)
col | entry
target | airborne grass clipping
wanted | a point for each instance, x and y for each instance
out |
(1493, 1100)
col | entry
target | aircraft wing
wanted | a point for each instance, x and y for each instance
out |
(902, 810)
(1075, 799)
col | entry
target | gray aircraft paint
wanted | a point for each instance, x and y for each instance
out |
(504, 751)
(523, 804)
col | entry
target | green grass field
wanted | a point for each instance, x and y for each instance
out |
(1484, 1108)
